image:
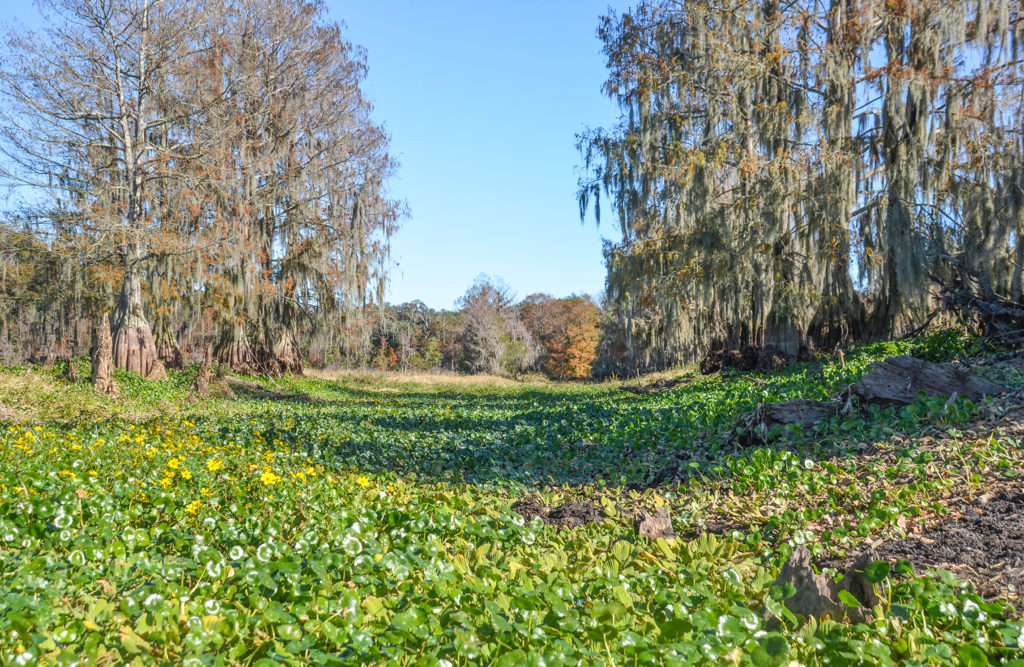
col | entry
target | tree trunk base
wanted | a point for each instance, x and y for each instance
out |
(238, 357)
(134, 350)
(170, 355)
(157, 372)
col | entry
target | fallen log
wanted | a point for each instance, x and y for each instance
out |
(892, 382)
(800, 412)
(900, 380)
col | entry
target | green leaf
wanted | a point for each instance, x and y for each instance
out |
(847, 598)
(876, 571)
(971, 656)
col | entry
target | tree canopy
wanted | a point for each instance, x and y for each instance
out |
(206, 170)
(799, 173)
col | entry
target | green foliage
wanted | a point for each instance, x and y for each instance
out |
(332, 522)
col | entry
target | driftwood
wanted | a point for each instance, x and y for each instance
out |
(893, 382)
(899, 381)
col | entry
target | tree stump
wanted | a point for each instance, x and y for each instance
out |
(654, 525)
(817, 595)
(157, 373)
(202, 383)
(102, 358)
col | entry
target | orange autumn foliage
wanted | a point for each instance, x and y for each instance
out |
(567, 329)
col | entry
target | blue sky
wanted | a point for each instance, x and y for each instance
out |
(483, 101)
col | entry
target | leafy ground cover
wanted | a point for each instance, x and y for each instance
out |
(355, 519)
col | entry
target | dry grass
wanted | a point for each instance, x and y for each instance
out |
(26, 395)
(669, 374)
(380, 380)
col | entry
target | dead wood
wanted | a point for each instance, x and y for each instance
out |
(817, 595)
(761, 423)
(969, 293)
(202, 384)
(899, 381)
(750, 358)
(102, 358)
(654, 525)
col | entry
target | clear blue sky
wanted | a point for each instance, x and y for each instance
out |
(483, 101)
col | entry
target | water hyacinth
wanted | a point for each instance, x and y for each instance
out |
(377, 526)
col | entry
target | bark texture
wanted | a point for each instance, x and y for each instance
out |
(654, 525)
(157, 373)
(202, 383)
(102, 362)
(133, 345)
(817, 595)
(899, 381)
(801, 412)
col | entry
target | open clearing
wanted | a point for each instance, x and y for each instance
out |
(370, 519)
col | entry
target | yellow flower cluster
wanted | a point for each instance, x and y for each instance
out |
(269, 478)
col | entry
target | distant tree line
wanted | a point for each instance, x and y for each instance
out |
(200, 172)
(490, 333)
(806, 173)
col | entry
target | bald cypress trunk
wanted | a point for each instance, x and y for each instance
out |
(133, 347)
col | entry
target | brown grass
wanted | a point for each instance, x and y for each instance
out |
(28, 396)
(378, 378)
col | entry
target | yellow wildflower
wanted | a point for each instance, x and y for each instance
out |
(363, 481)
(269, 478)
(213, 465)
(186, 474)
(173, 464)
